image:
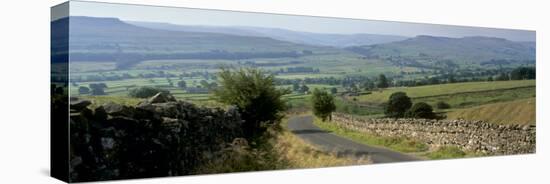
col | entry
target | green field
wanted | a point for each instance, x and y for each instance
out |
(500, 102)
(460, 96)
(338, 64)
(476, 98)
(444, 89)
(513, 112)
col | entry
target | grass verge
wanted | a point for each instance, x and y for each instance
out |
(447, 152)
(283, 150)
(400, 144)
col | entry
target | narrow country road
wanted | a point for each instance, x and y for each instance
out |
(304, 128)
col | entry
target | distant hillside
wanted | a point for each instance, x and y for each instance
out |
(109, 39)
(432, 51)
(335, 40)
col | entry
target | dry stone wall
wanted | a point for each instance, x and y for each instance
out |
(159, 137)
(474, 136)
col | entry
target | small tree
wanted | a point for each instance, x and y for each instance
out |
(452, 78)
(354, 89)
(502, 77)
(382, 81)
(323, 104)
(205, 84)
(254, 92)
(434, 80)
(442, 105)
(98, 88)
(83, 90)
(398, 104)
(368, 85)
(304, 89)
(523, 73)
(295, 87)
(182, 84)
(421, 110)
(333, 90)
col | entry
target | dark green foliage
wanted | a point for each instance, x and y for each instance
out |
(333, 90)
(421, 110)
(83, 90)
(303, 89)
(209, 86)
(98, 88)
(397, 105)
(145, 92)
(434, 80)
(323, 104)
(442, 105)
(523, 73)
(382, 81)
(254, 93)
(452, 78)
(367, 85)
(205, 84)
(295, 87)
(502, 77)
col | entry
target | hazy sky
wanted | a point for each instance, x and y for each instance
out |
(186, 16)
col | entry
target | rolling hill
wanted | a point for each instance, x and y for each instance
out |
(109, 39)
(431, 51)
(128, 43)
(319, 39)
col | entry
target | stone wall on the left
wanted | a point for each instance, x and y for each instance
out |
(158, 137)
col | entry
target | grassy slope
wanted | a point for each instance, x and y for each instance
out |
(432, 90)
(471, 49)
(103, 33)
(491, 97)
(518, 112)
(300, 154)
(472, 99)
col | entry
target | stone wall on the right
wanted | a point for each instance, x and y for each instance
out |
(477, 136)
